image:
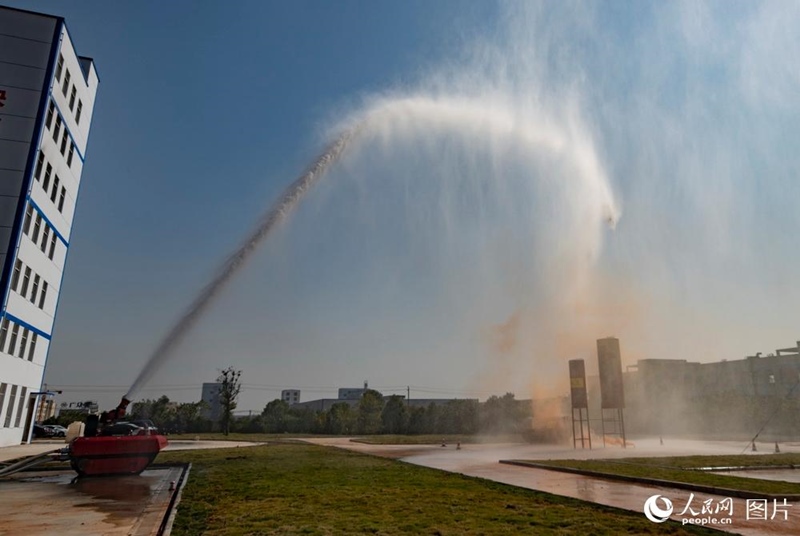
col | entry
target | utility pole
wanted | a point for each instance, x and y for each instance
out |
(408, 396)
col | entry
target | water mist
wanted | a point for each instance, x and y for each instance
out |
(393, 121)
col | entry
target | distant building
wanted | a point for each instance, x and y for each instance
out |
(84, 406)
(324, 404)
(210, 395)
(290, 396)
(721, 399)
(47, 95)
(45, 409)
(352, 393)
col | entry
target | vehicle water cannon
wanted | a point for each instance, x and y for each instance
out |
(117, 413)
(111, 446)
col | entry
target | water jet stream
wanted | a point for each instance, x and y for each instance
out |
(273, 217)
(466, 117)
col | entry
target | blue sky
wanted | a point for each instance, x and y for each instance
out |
(460, 246)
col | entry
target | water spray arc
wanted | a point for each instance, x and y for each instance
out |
(277, 213)
(385, 124)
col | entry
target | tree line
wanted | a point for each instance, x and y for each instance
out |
(373, 414)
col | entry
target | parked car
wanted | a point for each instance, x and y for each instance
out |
(57, 429)
(121, 429)
(40, 431)
(146, 425)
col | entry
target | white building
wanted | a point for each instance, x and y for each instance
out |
(290, 396)
(47, 94)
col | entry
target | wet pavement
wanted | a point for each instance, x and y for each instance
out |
(50, 502)
(55, 502)
(753, 517)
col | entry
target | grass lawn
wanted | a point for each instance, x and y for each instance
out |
(389, 439)
(683, 469)
(308, 489)
(255, 438)
(385, 439)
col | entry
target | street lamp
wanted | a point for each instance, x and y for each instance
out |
(36, 408)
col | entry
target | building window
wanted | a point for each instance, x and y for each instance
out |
(26, 227)
(39, 165)
(59, 67)
(50, 110)
(66, 83)
(35, 289)
(64, 142)
(61, 199)
(45, 238)
(54, 193)
(3, 387)
(23, 343)
(15, 277)
(69, 155)
(13, 343)
(72, 99)
(20, 406)
(57, 128)
(10, 410)
(3, 335)
(46, 181)
(36, 227)
(32, 349)
(52, 246)
(26, 280)
(78, 113)
(43, 296)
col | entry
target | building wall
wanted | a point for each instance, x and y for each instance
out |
(324, 404)
(351, 393)
(730, 399)
(290, 396)
(42, 148)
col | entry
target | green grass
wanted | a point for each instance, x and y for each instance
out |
(389, 439)
(693, 462)
(434, 439)
(384, 439)
(683, 469)
(307, 489)
(255, 438)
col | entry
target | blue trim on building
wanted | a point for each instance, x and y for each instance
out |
(47, 221)
(27, 177)
(24, 324)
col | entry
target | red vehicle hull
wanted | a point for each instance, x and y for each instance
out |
(114, 455)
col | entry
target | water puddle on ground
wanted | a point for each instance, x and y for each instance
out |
(59, 503)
